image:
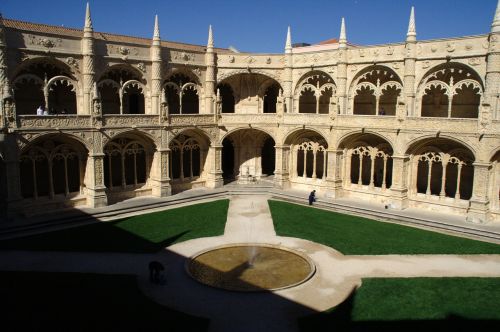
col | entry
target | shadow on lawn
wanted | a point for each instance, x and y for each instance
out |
(98, 299)
(340, 319)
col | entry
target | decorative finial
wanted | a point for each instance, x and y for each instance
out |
(343, 36)
(288, 45)
(210, 43)
(156, 32)
(88, 20)
(412, 32)
(495, 27)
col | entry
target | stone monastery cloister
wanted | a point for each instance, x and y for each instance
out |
(91, 118)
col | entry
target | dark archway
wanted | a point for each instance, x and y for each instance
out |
(227, 160)
(268, 157)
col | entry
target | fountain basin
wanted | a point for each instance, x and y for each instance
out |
(250, 267)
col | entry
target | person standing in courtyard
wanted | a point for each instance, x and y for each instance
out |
(312, 197)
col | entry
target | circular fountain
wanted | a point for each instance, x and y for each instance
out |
(250, 267)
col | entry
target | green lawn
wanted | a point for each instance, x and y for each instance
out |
(360, 236)
(140, 234)
(402, 304)
(42, 301)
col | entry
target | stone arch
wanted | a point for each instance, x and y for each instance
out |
(308, 158)
(367, 160)
(245, 154)
(127, 161)
(181, 93)
(375, 90)
(441, 167)
(148, 139)
(185, 72)
(188, 159)
(225, 75)
(249, 91)
(353, 134)
(45, 136)
(122, 90)
(53, 165)
(452, 90)
(264, 130)
(494, 193)
(315, 93)
(45, 84)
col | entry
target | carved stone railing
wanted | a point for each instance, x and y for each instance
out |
(454, 125)
(191, 119)
(53, 121)
(366, 121)
(306, 119)
(260, 118)
(129, 120)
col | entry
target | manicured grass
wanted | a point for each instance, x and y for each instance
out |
(360, 236)
(402, 304)
(42, 301)
(140, 234)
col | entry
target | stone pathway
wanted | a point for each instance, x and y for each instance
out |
(249, 220)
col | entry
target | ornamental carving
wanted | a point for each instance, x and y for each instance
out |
(450, 47)
(474, 61)
(59, 121)
(141, 66)
(44, 41)
(72, 62)
(129, 121)
(191, 119)
(390, 50)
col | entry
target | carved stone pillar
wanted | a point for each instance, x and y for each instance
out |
(281, 171)
(96, 191)
(88, 70)
(215, 179)
(399, 187)
(160, 181)
(333, 171)
(479, 202)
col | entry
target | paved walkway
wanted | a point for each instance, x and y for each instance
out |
(249, 220)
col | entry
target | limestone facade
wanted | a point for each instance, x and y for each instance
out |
(411, 124)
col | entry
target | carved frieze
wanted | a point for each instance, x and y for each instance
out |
(129, 121)
(59, 121)
(46, 42)
(191, 119)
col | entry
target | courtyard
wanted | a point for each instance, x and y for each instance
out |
(369, 275)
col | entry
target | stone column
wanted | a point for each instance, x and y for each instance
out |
(281, 171)
(287, 73)
(333, 172)
(215, 179)
(96, 191)
(479, 202)
(342, 70)
(399, 187)
(161, 180)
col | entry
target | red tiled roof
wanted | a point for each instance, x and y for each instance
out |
(72, 32)
(328, 41)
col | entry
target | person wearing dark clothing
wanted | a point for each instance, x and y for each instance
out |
(312, 197)
(155, 269)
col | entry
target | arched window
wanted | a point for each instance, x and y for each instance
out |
(310, 159)
(181, 95)
(375, 92)
(315, 94)
(451, 91)
(126, 163)
(45, 83)
(52, 167)
(121, 91)
(186, 158)
(227, 98)
(371, 166)
(270, 98)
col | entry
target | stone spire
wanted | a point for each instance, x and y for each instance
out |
(156, 32)
(343, 36)
(288, 44)
(412, 32)
(210, 42)
(88, 20)
(495, 26)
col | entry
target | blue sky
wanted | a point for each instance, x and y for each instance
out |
(260, 25)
